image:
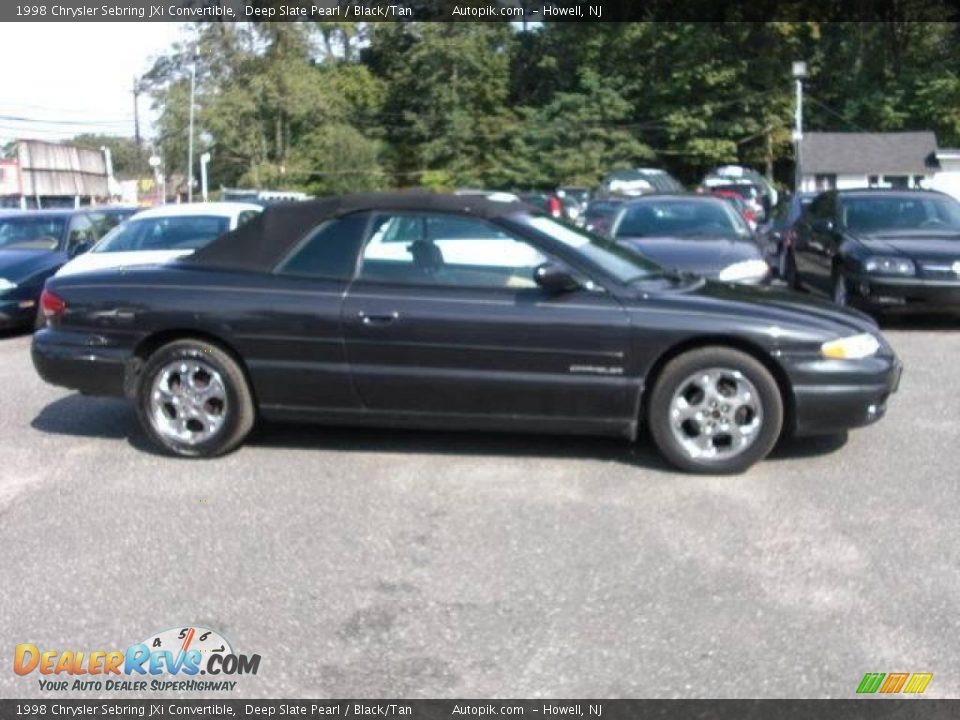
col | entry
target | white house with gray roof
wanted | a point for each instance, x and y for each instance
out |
(947, 177)
(847, 160)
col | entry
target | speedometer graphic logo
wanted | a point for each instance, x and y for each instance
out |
(185, 639)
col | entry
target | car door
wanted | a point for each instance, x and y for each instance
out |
(287, 325)
(816, 243)
(444, 319)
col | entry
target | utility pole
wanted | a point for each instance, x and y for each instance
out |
(204, 159)
(136, 111)
(769, 136)
(799, 73)
(156, 162)
(193, 82)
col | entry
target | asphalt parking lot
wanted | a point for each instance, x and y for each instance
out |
(410, 564)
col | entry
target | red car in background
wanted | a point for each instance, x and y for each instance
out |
(748, 212)
(548, 202)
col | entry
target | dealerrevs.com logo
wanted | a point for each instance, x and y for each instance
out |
(171, 660)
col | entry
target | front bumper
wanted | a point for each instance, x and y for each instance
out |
(875, 292)
(830, 396)
(78, 362)
(16, 313)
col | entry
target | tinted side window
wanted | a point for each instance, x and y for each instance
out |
(81, 235)
(329, 250)
(817, 210)
(815, 207)
(830, 207)
(246, 216)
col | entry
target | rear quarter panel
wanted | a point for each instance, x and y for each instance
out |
(284, 331)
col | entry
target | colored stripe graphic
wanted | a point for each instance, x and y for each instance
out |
(894, 683)
(870, 682)
(918, 682)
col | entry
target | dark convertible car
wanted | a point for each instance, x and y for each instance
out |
(453, 312)
(879, 249)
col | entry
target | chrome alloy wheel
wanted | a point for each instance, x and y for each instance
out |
(716, 414)
(188, 401)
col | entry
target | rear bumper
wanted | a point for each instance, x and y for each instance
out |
(77, 362)
(831, 396)
(890, 293)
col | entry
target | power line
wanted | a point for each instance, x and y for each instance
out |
(41, 121)
(42, 108)
(836, 114)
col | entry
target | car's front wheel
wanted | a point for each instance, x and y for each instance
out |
(194, 400)
(715, 410)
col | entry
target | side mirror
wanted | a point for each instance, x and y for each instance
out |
(823, 226)
(555, 277)
(80, 248)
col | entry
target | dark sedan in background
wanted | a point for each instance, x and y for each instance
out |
(598, 216)
(34, 244)
(693, 233)
(880, 249)
(779, 230)
(449, 312)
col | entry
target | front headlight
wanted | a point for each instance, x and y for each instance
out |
(853, 347)
(745, 271)
(889, 266)
(6, 285)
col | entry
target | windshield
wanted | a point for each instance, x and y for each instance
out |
(620, 261)
(164, 233)
(602, 209)
(681, 218)
(31, 232)
(106, 221)
(905, 212)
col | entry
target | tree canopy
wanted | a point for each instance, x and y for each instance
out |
(333, 107)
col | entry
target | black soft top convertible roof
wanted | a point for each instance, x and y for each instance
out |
(261, 243)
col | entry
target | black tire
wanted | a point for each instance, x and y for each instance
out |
(682, 367)
(240, 412)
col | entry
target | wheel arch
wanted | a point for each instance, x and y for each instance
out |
(735, 343)
(154, 341)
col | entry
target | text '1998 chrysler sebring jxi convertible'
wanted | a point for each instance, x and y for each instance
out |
(441, 311)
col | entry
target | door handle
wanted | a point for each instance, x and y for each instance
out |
(377, 319)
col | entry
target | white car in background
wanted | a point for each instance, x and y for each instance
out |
(162, 234)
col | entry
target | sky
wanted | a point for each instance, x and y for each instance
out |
(68, 78)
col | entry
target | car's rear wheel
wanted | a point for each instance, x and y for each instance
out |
(194, 400)
(715, 410)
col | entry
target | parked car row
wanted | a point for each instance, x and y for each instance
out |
(36, 244)
(877, 250)
(468, 311)
(751, 195)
